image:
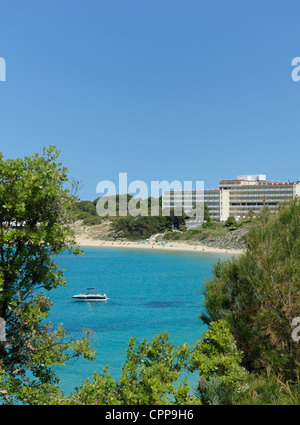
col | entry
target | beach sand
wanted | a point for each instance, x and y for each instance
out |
(170, 246)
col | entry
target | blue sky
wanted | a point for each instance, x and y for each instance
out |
(160, 89)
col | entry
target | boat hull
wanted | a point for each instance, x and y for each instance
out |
(89, 298)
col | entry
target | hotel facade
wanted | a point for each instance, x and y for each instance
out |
(245, 195)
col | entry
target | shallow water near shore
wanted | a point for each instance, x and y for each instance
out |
(149, 292)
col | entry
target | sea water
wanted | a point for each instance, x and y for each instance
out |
(149, 292)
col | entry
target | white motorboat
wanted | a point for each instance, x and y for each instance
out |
(90, 295)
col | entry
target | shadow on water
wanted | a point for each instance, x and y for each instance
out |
(162, 304)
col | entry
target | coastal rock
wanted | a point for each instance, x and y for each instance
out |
(234, 239)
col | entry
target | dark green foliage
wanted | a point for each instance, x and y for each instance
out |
(117, 199)
(222, 378)
(259, 293)
(86, 211)
(86, 206)
(231, 223)
(92, 220)
(175, 220)
(269, 388)
(206, 214)
(35, 217)
(208, 225)
(140, 227)
(149, 377)
(129, 226)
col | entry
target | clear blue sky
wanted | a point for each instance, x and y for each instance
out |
(160, 89)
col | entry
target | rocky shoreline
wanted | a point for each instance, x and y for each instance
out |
(234, 239)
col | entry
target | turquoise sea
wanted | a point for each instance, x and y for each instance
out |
(149, 292)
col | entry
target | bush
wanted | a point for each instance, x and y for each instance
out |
(92, 220)
(258, 293)
(208, 225)
(216, 357)
(231, 222)
(140, 227)
(86, 207)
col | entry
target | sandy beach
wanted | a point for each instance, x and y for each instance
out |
(162, 246)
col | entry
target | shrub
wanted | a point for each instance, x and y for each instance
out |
(258, 293)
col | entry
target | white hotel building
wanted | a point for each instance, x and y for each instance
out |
(248, 193)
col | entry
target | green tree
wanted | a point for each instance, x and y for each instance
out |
(124, 199)
(206, 214)
(86, 211)
(175, 220)
(139, 227)
(87, 207)
(258, 294)
(149, 376)
(222, 379)
(231, 222)
(269, 388)
(36, 211)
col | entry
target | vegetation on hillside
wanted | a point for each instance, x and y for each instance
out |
(172, 226)
(129, 226)
(86, 211)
